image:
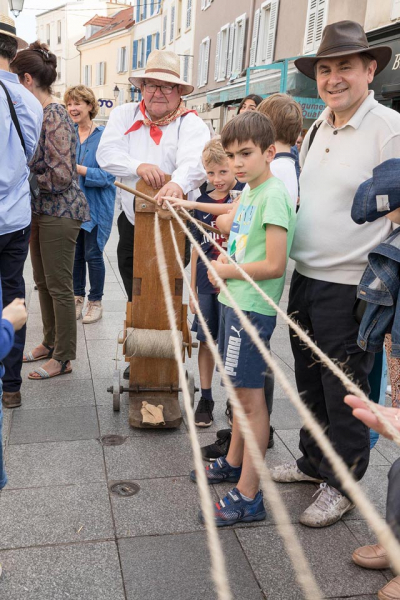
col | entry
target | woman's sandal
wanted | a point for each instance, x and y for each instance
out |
(27, 358)
(45, 375)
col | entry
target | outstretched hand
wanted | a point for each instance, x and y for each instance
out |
(362, 412)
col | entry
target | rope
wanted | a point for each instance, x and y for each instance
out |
(382, 530)
(285, 528)
(218, 568)
(347, 382)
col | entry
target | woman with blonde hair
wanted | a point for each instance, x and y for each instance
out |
(98, 187)
(58, 213)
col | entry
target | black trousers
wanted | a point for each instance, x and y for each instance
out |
(393, 499)
(13, 252)
(125, 252)
(324, 310)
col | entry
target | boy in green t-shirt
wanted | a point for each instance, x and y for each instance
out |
(261, 233)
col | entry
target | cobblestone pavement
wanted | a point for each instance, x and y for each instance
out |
(64, 535)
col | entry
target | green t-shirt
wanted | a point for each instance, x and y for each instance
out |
(267, 204)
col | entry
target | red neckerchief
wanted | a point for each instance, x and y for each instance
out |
(155, 131)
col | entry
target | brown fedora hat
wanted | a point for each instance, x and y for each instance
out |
(341, 39)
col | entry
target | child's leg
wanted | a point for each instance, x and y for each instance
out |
(255, 408)
(206, 366)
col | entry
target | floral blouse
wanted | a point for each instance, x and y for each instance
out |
(54, 164)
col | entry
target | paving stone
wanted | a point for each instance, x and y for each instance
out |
(178, 567)
(54, 515)
(90, 571)
(389, 449)
(118, 423)
(149, 457)
(162, 506)
(102, 360)
(56, 393)
(52, 425)
(328, 552)
(374, 483)
(55, 463)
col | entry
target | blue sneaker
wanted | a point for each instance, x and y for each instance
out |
(234, 509)
(220, 471)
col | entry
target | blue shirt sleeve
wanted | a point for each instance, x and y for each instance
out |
(96, 177)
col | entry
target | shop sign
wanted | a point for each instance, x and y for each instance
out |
(312, 107)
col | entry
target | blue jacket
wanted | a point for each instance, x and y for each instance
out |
(379, 286)
(97, 185)
(6, 335)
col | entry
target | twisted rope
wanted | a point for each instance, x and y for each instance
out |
(382, 530)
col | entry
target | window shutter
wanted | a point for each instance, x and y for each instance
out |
(203, 4)
(320, 22)
(199, 78)
(138, 11)
(241, 31)
(217, 56)
(395, 14)
(206, 60)
(164, 32)
(142, 54)
(256, 28)
(144, 11)
(151, 8)
(98, 73)
(189, 14)
(230, 50)
(103, 73)
(135, 55)
(158, 40)
(148, 46)
(119, 62)
(172, 31)
(273, 18)
(124, 59)
(310, 28)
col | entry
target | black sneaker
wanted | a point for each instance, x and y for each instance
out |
(271, 441)
(222, 433)
(127, 372)
(228, 412)
(203, 416)
(219, 448)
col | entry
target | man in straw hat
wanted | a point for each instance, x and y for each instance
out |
(353, 135)
(15, 206)
(156, 137)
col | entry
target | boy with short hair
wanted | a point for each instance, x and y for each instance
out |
(287, 118)
(261, 233)
(206, 207)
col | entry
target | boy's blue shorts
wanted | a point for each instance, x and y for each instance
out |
(242, 360)
(211, 309)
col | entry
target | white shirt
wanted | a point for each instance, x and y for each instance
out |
(178, 154)
(283, 167)
(327, 244)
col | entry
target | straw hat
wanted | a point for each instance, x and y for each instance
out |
(165, 66)
(341, 39)
(7, 27)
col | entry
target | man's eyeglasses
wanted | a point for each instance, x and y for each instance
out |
(165, 89)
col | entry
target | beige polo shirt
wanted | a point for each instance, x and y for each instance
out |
(328, 245)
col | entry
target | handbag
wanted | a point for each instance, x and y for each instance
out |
(33, 182)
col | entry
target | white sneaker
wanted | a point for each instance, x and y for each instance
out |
(79, 301)
(94, 312)
(327, 509)
(289, 473)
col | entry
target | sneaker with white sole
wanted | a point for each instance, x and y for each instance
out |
(289, 473)
(327, 509)
(94, 312)
(79, 301)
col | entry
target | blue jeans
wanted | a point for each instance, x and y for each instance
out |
(88, 251)
(3, 476)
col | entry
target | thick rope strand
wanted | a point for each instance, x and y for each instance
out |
(218, 567)
(329, 363)
(382, 530)
(285, 528)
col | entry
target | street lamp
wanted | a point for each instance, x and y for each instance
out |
(116, 92)
(16, 6)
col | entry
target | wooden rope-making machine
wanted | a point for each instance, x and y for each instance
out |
(146, 337)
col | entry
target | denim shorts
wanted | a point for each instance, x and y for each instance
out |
(3, 476)
(242, 360)
(211, 309)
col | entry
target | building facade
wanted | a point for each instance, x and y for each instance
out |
(250, 46)
(62, 27)
(177, 32)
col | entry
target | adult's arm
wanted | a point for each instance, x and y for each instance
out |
(193, 136)
(113, 151)
(30, 117)
(96, 177)
(391, 149)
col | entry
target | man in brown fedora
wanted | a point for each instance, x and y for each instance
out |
(150, 139)
(15, 204)
(353, 135)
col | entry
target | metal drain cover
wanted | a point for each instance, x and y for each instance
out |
(124, 488)
(113, 440)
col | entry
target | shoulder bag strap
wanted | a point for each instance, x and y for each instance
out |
(13, 115)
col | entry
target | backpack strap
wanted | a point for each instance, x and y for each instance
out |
(313, 134)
